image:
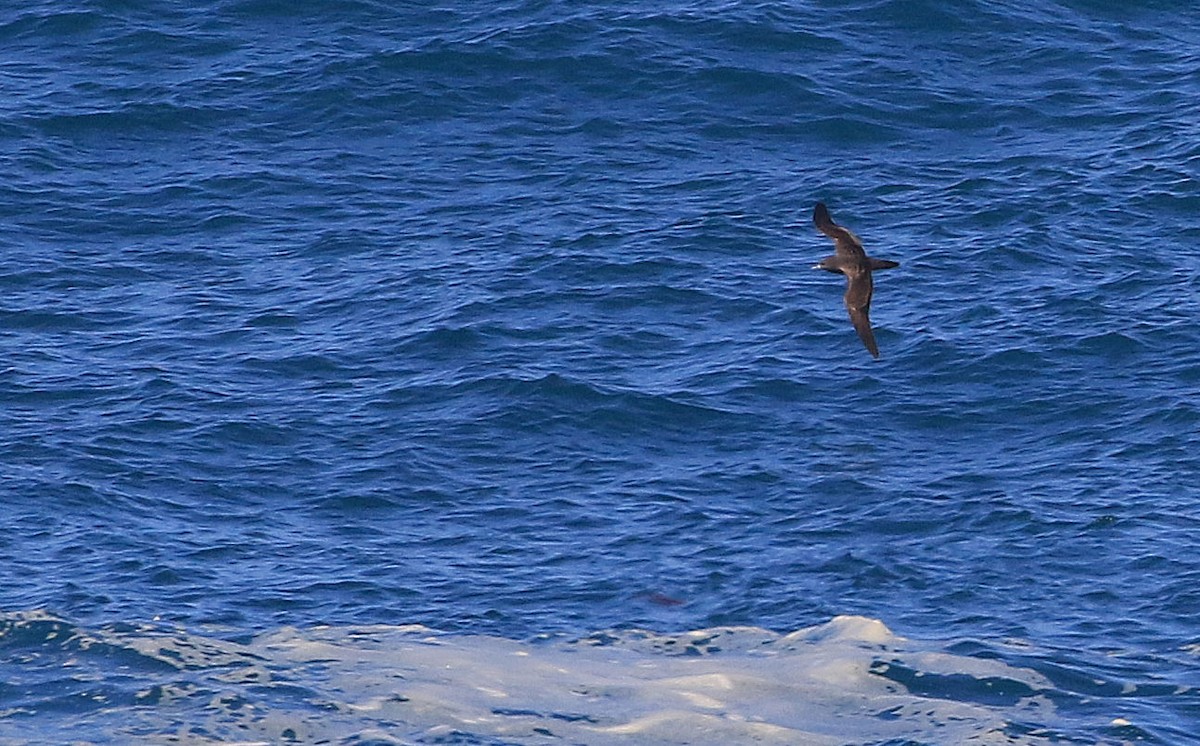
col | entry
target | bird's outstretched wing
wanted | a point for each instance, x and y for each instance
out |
(859, 287)
(846, 243)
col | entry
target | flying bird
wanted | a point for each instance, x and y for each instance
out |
(851, 260)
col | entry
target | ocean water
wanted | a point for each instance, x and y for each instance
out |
(421, 373)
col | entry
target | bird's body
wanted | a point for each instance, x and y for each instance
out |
(852, 261)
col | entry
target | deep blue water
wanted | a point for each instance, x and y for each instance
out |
(498, 318)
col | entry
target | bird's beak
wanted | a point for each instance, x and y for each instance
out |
(817, 266)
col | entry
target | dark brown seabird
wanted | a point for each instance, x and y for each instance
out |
(852, 261)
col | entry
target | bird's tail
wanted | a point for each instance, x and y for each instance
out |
(883, 264)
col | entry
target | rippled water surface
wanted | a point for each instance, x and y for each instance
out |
(323, 321)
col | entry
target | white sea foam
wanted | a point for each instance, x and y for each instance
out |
(835, 683)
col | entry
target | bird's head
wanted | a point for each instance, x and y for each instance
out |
(829, 264)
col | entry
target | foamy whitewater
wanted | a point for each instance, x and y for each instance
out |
(849, 678)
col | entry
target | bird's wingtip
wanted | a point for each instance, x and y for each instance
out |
(821, 215)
